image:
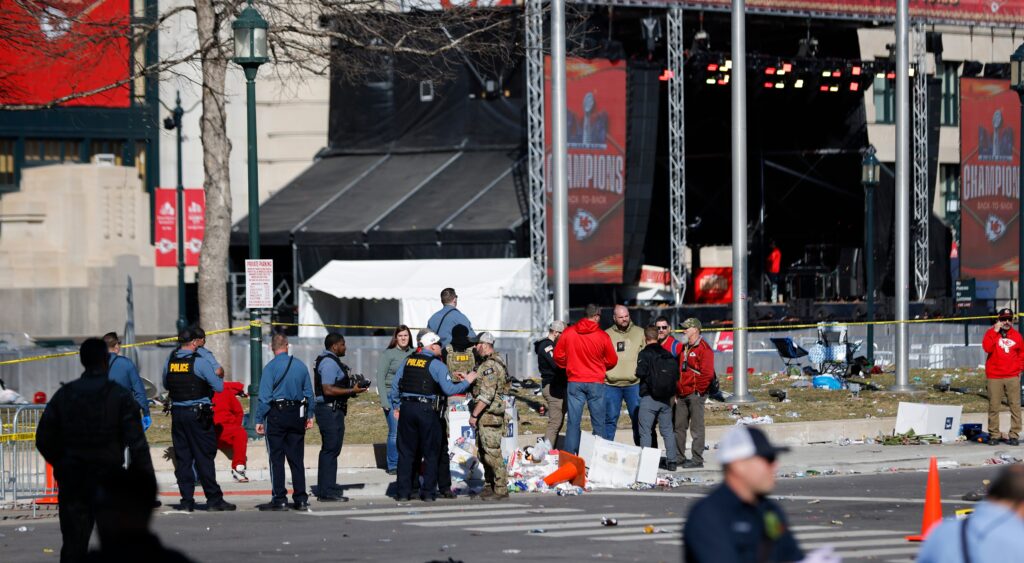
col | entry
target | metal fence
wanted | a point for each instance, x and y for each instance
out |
(23, 471)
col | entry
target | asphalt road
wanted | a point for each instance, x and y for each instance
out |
(865, 517)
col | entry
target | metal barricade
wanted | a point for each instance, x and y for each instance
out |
(23, 470)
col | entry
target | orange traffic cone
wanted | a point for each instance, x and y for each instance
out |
(932, 503)
(51, 488)
(566, 472)
(566, 458)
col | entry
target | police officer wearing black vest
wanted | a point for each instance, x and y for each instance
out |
(332, 386)
(417, 394)
(191, 381)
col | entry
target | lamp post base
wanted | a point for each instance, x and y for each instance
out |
(904, 389)
(741, 399)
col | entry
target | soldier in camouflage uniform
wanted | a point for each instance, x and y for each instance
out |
(488, 417)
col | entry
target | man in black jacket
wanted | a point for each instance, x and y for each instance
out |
(657, 370)
(553, 380)
(83, 433)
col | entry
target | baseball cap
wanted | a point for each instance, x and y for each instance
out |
(1005, 313)
(691, 323)
(484, 337)
(744, 442)
(557, 326)
(429, 339)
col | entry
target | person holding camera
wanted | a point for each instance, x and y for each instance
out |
(1005, 349)
(333, 384)
(283, 416)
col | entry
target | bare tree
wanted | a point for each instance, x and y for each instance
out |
(346, 37)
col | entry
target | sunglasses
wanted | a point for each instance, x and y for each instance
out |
(1005, 319)
(661, 327)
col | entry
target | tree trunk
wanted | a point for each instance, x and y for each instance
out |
(213, 261)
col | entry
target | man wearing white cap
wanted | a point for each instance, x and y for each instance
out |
(416, 398)
(737, 522)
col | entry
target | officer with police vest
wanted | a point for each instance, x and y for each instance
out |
(416, 396)
(332, 387)
(283, 414)
(191, 382)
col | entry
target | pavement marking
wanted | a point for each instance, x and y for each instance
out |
(636, 537)
(412, 508)
(671, 542)
(848, 534)
(457, 513)
(909, 550)
(855, 543)
(624, 520)
(893, 500)
(516, 519)
(613, 532)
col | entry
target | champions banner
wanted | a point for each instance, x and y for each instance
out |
(989, 179)
(165, 225)
(596, 99)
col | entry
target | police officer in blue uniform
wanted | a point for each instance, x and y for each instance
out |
(124, 373)
(283, 414)
(416, 396)
(332, 386)
(206, 354)
(191, 382)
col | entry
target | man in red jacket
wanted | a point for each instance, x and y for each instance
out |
(1005, 349)
(696, 369)
(586, 353)
(227, 419)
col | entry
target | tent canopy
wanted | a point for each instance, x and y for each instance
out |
(493, 293)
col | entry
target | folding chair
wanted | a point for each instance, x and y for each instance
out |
(789, 351)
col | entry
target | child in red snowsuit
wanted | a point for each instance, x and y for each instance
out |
(227, 419)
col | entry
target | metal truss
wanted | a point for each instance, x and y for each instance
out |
(677, 152)
(541, 306)
(922, 213)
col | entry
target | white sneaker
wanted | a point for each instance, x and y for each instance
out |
(239, 474)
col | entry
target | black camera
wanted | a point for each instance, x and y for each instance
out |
(357, 381)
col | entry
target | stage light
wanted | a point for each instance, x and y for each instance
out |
(854, 86)
(824, 88)
(666, 75)
(891, 75)
(769, 85)
(880, 75)
(710, 80)
(780, 85)
(834, 89)
(769, 70)
(727, 66)
(855, 71)
(836, 74)
(786, 67)
(713, 67)
(826, 74)
(911, 70)
(723, 81)
(799, 83)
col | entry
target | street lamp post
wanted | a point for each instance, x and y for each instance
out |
(1017, 83)
(174, 122)
(250, 38)
(869, 177)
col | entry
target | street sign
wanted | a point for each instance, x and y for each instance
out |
(964, 292)
(259, 284)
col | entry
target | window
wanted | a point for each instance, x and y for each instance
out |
(885, 100)
(949, 183)
(39, 151)
(6, 162)
(950, 93)
(140, 162)
(106, 146)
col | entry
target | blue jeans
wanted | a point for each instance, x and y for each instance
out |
(578, 394)
(392, 440)
(613, 397)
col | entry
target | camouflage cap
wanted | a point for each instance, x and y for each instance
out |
(691, 323)
(485, 338)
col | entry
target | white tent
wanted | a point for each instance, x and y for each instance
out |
(493, 293)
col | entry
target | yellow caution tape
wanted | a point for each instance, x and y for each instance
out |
(19, 437)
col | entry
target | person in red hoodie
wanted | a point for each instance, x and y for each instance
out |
(586, 353)
(696, 370)
(1005, 349)
(227, 419)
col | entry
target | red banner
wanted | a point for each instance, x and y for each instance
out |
(713, 285)
(989, 179)
(993, 12)
(596, 99)
(165, 228)
(195, 225)
(57, 48)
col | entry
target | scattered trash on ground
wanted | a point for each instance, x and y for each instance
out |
(909, 438)
(755, 420)
(837, 522)
(511, 551)
(609, 521)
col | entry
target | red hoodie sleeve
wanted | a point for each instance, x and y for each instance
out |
(561, 356)
(610, 357)
(989, 342)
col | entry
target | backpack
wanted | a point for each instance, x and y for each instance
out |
(661, 382)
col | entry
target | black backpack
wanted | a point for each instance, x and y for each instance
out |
(661, 382)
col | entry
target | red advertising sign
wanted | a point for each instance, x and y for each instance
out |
(195, 225)
(596, 99)
(992, 12)
(165, 229)
(57, 48)
(166, 226)
(713, 285)
(989, 179)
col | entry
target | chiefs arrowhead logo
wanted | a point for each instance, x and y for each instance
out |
(164, 246)
(995, 228)
(584, 224)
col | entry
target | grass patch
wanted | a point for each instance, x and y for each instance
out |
(365, 422)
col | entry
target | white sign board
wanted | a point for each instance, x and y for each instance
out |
(942, 420)
(259, 284)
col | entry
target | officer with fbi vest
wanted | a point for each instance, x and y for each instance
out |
(283, 414)
(459, 356)
(416, 397)
(191, 382)
(333, 384)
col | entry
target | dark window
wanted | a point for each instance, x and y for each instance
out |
(885, 100)
(950, 93)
